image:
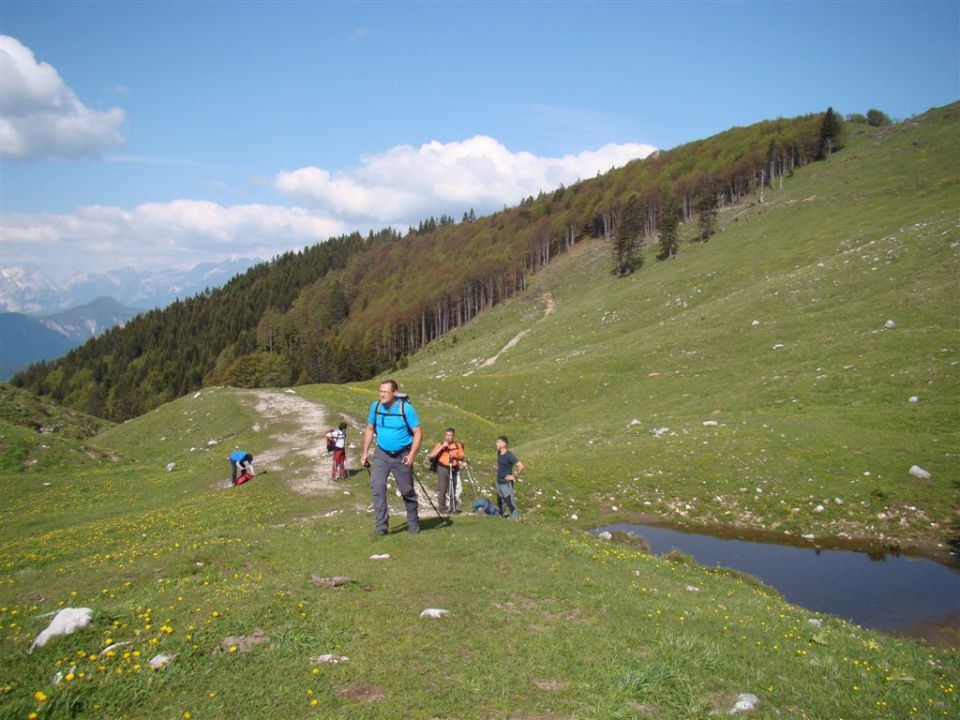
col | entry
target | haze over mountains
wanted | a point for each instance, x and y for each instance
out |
(28, 289)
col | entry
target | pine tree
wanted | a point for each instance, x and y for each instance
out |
(625, 257)
(830, 132)
(707, 220)
(669, 233)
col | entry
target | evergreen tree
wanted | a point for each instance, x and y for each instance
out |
(625, 257)
(707, 220)
(830, 131)
(669, 233)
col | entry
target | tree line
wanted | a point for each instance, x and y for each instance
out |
(347, 308)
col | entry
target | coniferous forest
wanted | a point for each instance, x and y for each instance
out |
(354, 305)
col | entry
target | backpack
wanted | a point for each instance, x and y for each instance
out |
(331, 445)
(403, 398)
(243, 478)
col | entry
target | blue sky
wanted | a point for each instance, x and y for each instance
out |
(195, 131)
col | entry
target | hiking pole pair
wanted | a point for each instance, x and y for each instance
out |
(413, 474)
(473, 484)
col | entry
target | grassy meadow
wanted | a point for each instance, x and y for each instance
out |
(774, 331)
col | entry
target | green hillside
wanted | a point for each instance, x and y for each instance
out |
(775, 330)
(544, 622)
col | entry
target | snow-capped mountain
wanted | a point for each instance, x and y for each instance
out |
(28, 290)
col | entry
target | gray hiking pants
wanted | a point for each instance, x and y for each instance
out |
(383, 465)
(447, 480)
(506, 499)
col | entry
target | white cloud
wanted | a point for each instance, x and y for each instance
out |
(179, 234)
(41, 116)
(404, 184)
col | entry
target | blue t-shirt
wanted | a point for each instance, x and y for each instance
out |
(238, 456)
(392, 432)
(505, 463)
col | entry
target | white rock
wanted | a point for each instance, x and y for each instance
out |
(196, 395)
(171, 466)
(819, 508)
(809, 536)
(745, 703)
(635, 422)
(64, 622)
(574, 517)
(838, 501)
(605, 536)
(692, 588)
(889, 325)
(211, 443)
(159, 660)
(815, 622)
(919, 472)
(385, 556)
(658, 432)
(710, 423)
(434, 613)
(46, 484)
(290, 391)
(778, 346)
(614, 508)
(914, 399)
(329, 659)
(755, 323)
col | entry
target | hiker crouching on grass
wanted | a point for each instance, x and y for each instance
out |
(397, 428)
(447, 457)
(241, 463)
(337, 444)
(508, 470)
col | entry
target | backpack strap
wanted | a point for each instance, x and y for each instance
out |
(403, 413)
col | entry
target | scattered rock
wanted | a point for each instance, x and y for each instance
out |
(159, 660)
(171, 466)
(65, 622)
(574, 516)
(745, 703)
(385, 556)
(692, 588)
(778, 346)
(635, 422)
(815, 622)
(889, 325)
(330, 582)
(710, 423)
(809, 536)
(755, 323)
(329, 659)
(196, 395)
(605, 535)
(819, 509)
(290, 391)
(914, 399)
(116, 645)
(243, 643)
(211, 443)
(658, 432)
(58, 678)
(919, 472)
(434, 613)
(255, 427)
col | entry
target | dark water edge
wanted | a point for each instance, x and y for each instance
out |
(898, 593)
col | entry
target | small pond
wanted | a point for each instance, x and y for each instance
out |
(908, 595)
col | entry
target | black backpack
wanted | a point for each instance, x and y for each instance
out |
(331, 445)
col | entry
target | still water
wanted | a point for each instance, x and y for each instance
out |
(878, 591)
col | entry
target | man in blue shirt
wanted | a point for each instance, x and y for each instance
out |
(397, 428)
(240, 462)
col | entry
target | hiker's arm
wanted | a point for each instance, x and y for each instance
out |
(517, 470)
(417, 439)
(436, 450)
(367, 438)
(250, 469)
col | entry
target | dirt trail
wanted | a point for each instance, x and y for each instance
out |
(308, 421)
(551, 306)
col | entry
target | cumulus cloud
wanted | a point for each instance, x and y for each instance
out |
(405, 183)
(175, 234)
(41, 116)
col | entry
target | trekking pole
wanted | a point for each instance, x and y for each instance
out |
(473, 484)
(429, 499)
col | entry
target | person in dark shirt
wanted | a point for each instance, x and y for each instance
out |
(509, 469)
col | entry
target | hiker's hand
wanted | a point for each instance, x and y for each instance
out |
(408, 460)
(363, 460)
(510, 478)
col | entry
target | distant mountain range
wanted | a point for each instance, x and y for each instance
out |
(25, 339)
(28, 290)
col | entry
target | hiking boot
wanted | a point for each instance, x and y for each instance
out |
(379, 532)
(413, 529)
